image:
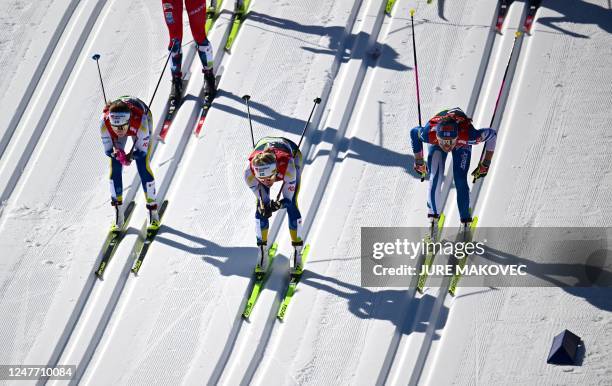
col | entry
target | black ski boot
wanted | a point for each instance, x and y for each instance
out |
(209, 79)
(177, 90)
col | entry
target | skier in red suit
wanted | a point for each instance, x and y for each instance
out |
(196, 11)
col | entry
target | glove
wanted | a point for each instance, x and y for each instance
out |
(265, 210)
(481, 170)
(122, 157)
(420, 167)
(275, 205)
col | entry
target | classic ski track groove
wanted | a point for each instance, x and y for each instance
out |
(474, 195)
(38, 85)
(163, 186)
(46, 57)
(319, 117)
(353, 86)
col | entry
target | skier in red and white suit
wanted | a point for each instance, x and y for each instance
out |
(196, 11)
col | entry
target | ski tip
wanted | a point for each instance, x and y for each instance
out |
(412, 11)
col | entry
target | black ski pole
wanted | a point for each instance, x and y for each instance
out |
(501, 88)
(162, 74)
(247, 98)
(416, 74)
(96, 57)
(416, 67)
(316, 102)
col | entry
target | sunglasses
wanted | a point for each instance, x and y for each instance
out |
(120, 128)
(447, 142)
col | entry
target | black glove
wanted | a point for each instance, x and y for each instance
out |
(275, 205)
(265, 210)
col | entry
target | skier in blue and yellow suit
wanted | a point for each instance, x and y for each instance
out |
(450, 131)
(123, 118)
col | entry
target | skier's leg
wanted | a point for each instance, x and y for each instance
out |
(290, 201)
(196, 10)
(461, 165)
(148, 179)
(261, 230)
(173, 13)
(436, 159)
(116, 184)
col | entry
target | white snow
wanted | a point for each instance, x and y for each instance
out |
(180, 321)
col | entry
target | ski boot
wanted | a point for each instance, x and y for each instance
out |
(153, 215)
(262, 260)
(177, 90)
(466, 228)
(298, 266)
(434, 219)
(209, 81)
(119, 216)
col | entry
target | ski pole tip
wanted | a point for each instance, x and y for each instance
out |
(246, 97)
(96, 57)
(412, 11)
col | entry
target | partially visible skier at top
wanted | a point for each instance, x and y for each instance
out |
(196, 11)
(129, 117)
(276, 159)
(450, 131)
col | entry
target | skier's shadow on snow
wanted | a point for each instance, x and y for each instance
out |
(385, 304)
(212, 253)
(592, 281)
(576, 12)
(336, 35)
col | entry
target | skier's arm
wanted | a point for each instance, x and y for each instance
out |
(488, 136)
(290, 183)
(418, 135)
(141, 142)
(251, 181)
(107, 140)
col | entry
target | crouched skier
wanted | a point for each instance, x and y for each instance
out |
(129, 117)
(276, 159)
(450, 131)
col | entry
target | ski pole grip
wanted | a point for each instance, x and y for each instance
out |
(96, 57)
(246, 97)
(412, 12)
(317, 100)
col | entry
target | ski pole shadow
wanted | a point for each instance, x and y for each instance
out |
(230, 261)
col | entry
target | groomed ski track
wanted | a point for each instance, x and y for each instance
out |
(179, 321)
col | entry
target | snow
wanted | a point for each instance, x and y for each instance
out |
(179, 320)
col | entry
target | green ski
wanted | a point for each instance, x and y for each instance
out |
(212, 13)
(259, 283)
(240, 13)
(295, 279)
(150, 236)
(455, 279)
(430, 255)
(112, 240)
